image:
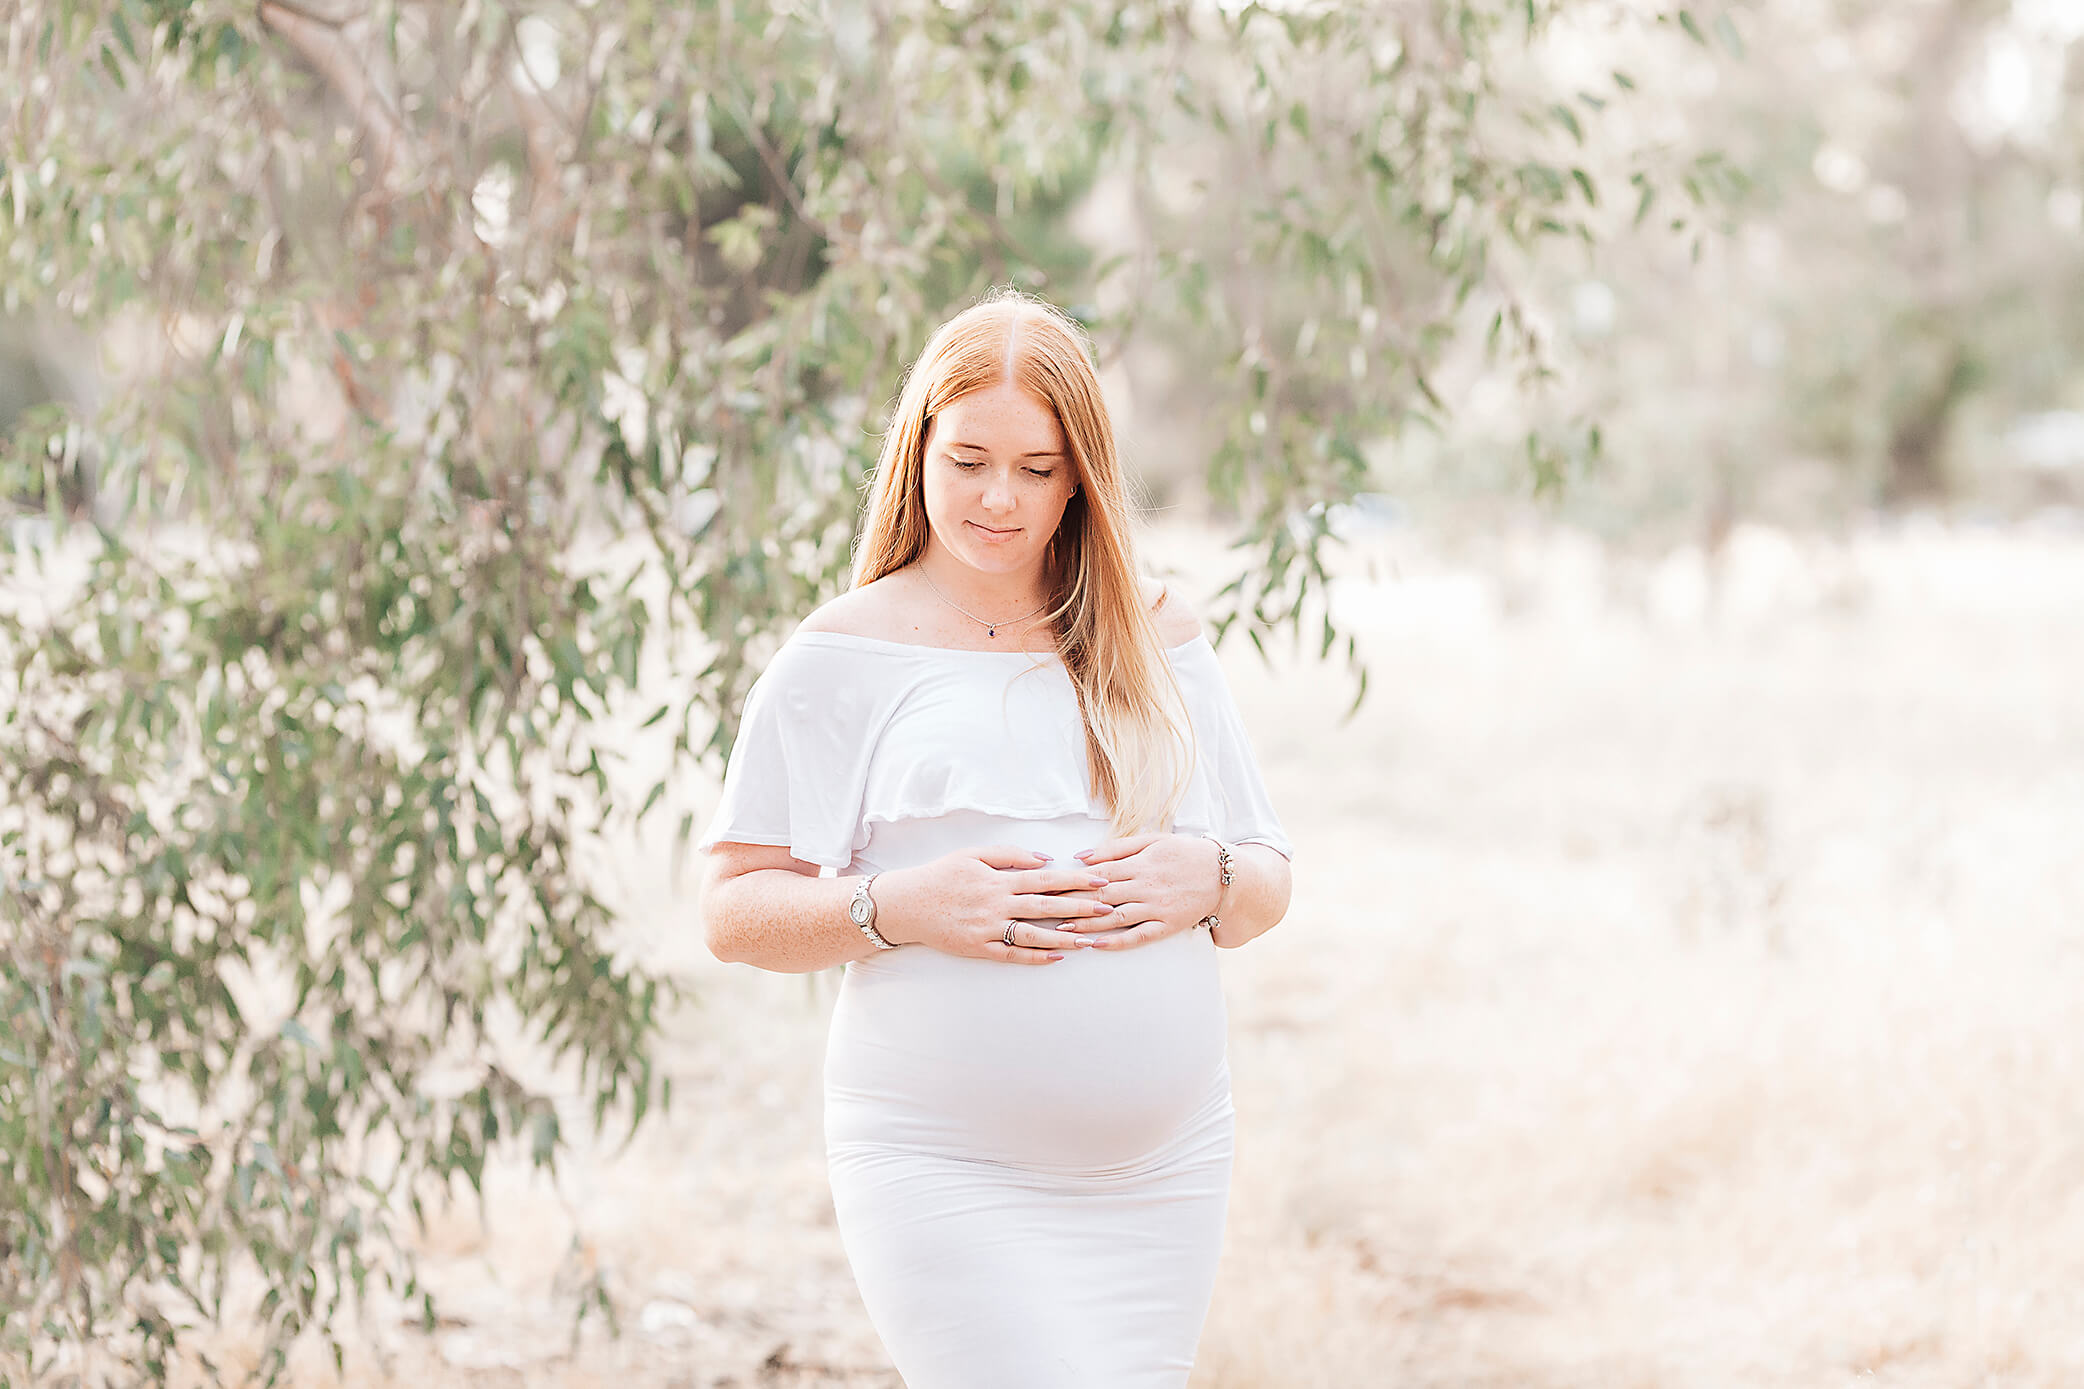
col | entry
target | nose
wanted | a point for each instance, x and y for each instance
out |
(998, 493)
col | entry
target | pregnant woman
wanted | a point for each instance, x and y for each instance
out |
(1024, 767)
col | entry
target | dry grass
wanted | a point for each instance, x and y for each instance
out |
(1680, 990)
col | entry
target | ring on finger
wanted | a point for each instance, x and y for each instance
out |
(1008, 937)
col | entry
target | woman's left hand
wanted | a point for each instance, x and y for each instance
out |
(1158, 885)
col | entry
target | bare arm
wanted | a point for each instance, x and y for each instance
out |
(762, 907)
(1257, 898)
(1165, 883)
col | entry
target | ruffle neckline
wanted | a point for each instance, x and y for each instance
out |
(832, 744)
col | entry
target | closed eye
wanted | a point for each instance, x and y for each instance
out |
(970, 465)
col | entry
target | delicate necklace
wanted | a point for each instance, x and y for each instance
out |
(991, 629)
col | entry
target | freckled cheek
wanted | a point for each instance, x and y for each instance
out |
(1056, 504)
(944, 499)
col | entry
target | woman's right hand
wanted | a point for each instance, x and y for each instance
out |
(960, 904)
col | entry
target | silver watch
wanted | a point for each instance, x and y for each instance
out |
(862, 911)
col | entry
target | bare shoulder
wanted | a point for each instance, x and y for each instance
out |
(885, 609)
(1177, 621)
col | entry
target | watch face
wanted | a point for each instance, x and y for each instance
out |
(858, 909)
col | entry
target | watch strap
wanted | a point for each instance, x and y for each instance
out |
(863, 898)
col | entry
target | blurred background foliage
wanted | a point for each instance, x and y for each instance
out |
(386, 386)
(1893, 317)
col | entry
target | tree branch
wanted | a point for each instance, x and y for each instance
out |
(779, 172)
(318, 39)
(542, 132)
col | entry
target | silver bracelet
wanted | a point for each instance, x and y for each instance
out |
(1225, 877)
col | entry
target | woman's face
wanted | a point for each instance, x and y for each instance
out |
(998, 474)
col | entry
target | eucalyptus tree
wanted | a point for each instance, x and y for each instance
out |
(459, 363)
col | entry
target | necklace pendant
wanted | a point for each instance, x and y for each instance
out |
(992, 632)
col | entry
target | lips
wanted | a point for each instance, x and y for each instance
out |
(994, 537)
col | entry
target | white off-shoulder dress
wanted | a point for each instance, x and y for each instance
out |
(1029, 1165)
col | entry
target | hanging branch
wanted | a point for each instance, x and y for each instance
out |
(321, 40)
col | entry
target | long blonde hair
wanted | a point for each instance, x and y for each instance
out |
(1139, 741)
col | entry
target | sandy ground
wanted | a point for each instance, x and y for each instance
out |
(1681, 989)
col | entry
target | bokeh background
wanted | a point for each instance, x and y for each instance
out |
(1634, 456)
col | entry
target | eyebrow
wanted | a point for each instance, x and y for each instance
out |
(1038, 453)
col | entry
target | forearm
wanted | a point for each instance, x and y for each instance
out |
(782, 920)
(1257, 897)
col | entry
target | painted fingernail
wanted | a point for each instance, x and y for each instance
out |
(1096, 882)
(1045, 858)
(1082, 855)
(1056, 957)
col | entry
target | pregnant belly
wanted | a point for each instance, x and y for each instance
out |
(1090, 1063)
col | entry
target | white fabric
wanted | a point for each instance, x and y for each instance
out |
(1029, 1165)
(810, 770)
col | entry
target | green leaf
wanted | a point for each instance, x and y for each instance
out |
(1726, 30)
(543, 1132)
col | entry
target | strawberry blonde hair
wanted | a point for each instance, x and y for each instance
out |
(1137, 736)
